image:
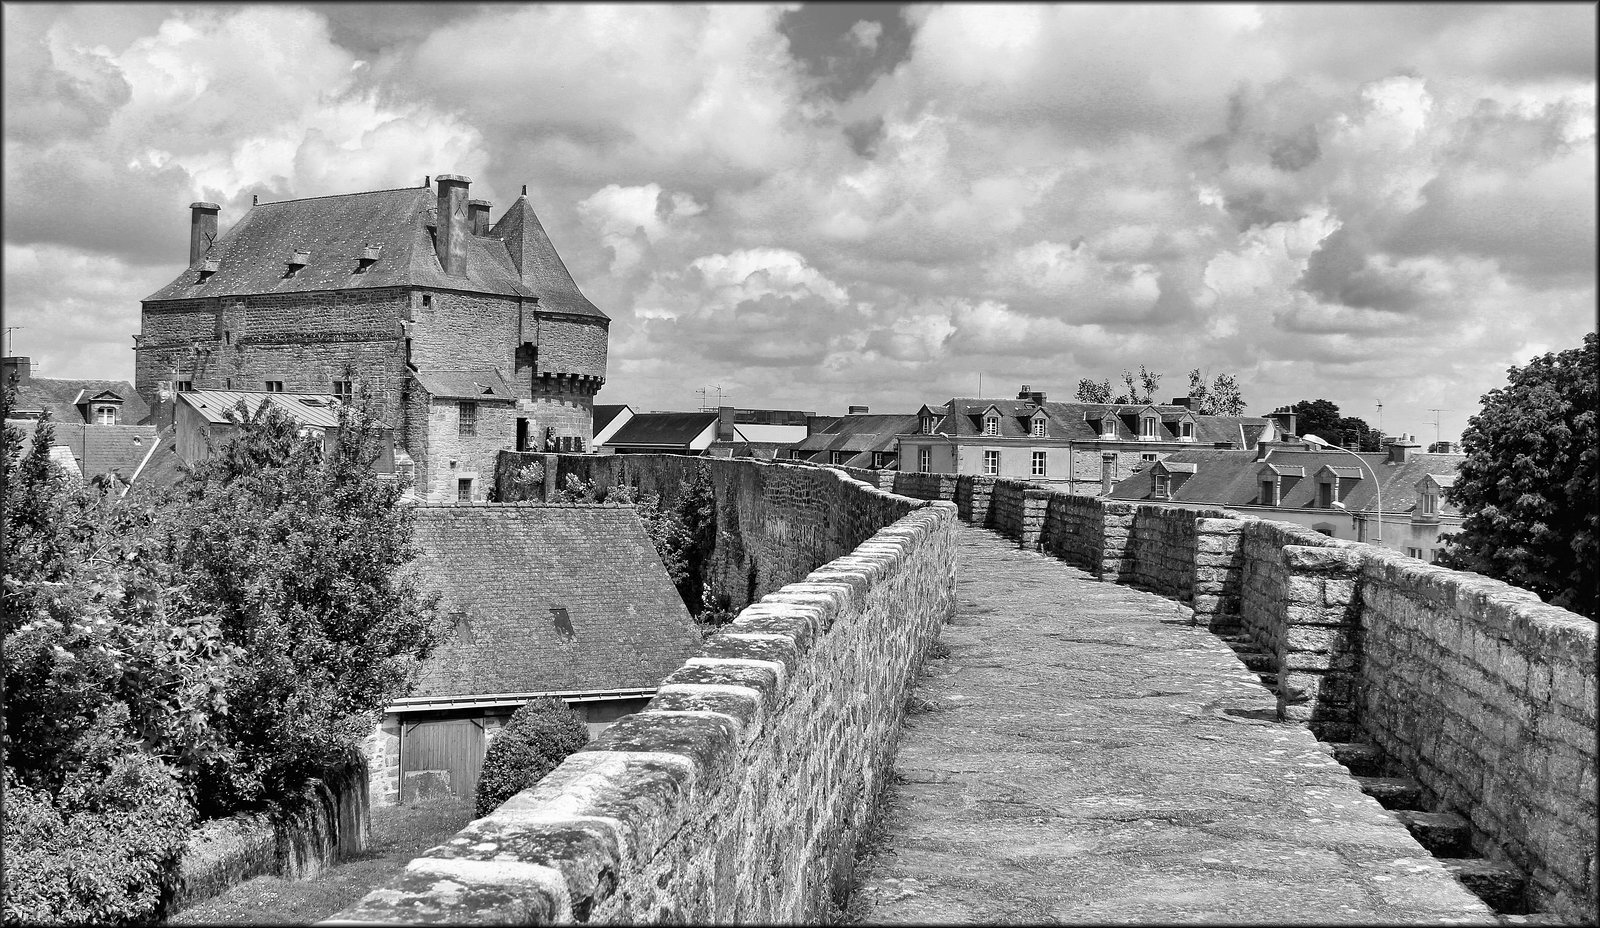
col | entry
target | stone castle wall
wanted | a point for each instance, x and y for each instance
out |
(1476, 689)
(740, 792)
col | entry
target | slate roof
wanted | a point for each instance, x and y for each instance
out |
(505, 569)
(59, 395)
(335, 231)
(963, 416)
(487, 385)
(1232, 478)
(605, 412)
(315, 409)
(99, 449)
(662, 429)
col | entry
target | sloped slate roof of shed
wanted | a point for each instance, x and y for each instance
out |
(317, 409)
(486, 385)
(504, 570)
(102, 449)
(662, 428)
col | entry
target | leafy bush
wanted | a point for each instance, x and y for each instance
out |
(538, 737)
(105, 849)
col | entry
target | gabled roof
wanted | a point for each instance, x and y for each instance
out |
(1082, 421)
(487, 385)
(336, 231)
(517, 577)
(1173, 467)
(314, 409)
(61, 396)
(605, 412)
(1341, 472)
(865, 432)
(663, 429)
(1229, 478)
(99, 449)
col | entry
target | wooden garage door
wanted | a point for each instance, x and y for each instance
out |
(439, 756)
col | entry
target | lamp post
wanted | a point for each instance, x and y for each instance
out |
(1376, 485)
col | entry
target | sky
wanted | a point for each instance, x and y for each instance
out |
(813, 206)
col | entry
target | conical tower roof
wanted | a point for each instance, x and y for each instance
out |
(536, 260)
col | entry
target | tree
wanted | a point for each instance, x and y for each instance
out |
(1321, 418)
(1221, 398)
(1090, 391)
(1141, 387)
(298, 552)
(539, 736)
(1529, 484)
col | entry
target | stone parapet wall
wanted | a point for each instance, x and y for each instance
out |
(1017, 509)
(1477, 689)
(775, 520)
(973, 496)
(740, 792)
(1486, 696)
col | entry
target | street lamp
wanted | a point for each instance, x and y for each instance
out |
(1376, 485)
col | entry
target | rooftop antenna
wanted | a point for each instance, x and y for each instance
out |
(980, 385)
(524, 189)
(1436, 422)
(11, 339)
(705, 395)
(1380, 419)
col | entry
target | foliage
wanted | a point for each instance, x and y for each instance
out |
(1090, 391)
(1141, 388)
(1529, 484)
(105, 849)
(93, 622)
(298, 552)
(1321, 418)
(538, 737)
(1221, 398)
(526, 482)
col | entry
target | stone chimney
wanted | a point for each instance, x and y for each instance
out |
(202, 229)
(1285, 419)
(1181, 401)
(858, 410)
(1403, 449)
(20, 367)
(1036, 397)
(478, 216)
(452, 225)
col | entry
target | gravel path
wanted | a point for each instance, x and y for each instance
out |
(1085, 755)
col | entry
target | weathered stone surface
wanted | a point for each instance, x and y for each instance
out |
(1094, 764)
(1500, 885)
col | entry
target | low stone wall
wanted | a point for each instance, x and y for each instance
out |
(330, 821)
(1074, 531)
(972, 498)
(1162, 547)
(1486, 696)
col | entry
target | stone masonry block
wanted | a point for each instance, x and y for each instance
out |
(1315, 615)
(484, 892)
(762, 678)
(588, 852)
(1304, 591)
(1319, 639)
(799, 624)
(1334, 561)
(778, 649)
(707, 740)
(742, 704)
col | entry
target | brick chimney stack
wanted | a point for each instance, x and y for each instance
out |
(452, 224)
(478, 213)
(202, 229)
(20, 367)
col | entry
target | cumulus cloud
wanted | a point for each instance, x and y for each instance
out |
(820, 205)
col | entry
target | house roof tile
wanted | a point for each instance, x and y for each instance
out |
(98, 449)
(316, 409)
(548, 598)
(61, 396)
(664, 429)
(486, 385)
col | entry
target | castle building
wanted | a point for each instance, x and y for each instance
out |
(467, 337)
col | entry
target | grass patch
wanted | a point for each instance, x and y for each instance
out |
(399, 833)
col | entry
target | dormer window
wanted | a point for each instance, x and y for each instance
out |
(1038, 426)
(927, 425)
(1108, 427)
(1186, 431)
(991, 425)
(1147, 428)
(296, 261)
(369, 256)
(1269, 492)
(1430, 503)
(1161, 487)
(105, 415)
(1325, 494)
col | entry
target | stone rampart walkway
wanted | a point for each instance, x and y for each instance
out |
(1087, 756)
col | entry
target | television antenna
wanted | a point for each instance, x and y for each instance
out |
(705, 395)
(11, 339)
(1436, 413)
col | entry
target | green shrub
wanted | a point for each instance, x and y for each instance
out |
(539, 736)
(105, 850)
